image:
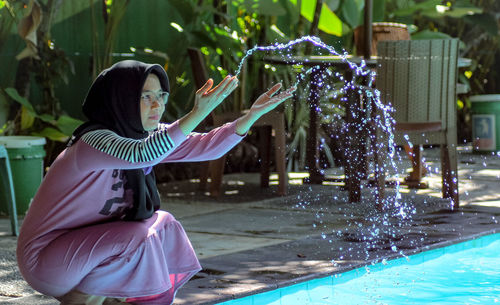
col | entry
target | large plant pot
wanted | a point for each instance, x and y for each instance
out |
(26, 161)
(380, 31)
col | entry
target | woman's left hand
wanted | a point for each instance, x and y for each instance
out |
(265, 103)
(268, 100)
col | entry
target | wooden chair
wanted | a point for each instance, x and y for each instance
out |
(418, 78)
(273, 120)
(8, 186)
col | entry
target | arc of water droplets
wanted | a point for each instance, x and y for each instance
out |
(372, 94)
(360, 70)
(386, 126)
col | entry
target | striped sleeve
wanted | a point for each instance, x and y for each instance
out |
(144, 150)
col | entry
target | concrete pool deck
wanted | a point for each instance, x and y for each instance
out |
(251, 240)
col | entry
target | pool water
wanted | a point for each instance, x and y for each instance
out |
(464, 273)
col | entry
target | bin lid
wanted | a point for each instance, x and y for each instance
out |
(485, 98)
(21, 141)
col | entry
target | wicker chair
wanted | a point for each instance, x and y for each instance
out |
(418, 77)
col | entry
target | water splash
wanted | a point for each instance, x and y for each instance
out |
(385, 123)
(383, 226)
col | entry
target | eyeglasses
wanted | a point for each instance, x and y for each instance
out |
(148, 97)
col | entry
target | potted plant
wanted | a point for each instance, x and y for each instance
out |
(25, 138)
(30, 126)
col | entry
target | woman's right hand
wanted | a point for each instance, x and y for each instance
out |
(208, 98)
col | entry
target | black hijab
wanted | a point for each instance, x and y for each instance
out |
(113, 102)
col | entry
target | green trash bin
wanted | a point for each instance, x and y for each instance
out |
(26, 155)
(485, 122)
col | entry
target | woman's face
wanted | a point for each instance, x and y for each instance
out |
(151, 107)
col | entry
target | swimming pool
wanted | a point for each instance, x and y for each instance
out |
(463, 273)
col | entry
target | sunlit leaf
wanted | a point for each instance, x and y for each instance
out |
(328, 21)
(27, 118)
(221, 32)
(177, 27)
(205, 50)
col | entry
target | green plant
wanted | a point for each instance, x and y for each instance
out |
(9, 16)
(40, 75)
(263, 23)
(30, 122)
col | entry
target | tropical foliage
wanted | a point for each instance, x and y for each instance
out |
(47, 68)
(40, 124)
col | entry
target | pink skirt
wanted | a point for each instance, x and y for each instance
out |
(124, 259)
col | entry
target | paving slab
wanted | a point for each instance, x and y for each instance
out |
(214, 244)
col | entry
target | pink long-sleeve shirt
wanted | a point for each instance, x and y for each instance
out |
(85, 184)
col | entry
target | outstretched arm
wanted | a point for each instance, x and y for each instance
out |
(265, 103)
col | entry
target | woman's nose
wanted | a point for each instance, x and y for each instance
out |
(156, 103)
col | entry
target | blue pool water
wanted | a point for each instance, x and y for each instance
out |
(464, 273)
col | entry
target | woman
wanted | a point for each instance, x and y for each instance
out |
(94, 233)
